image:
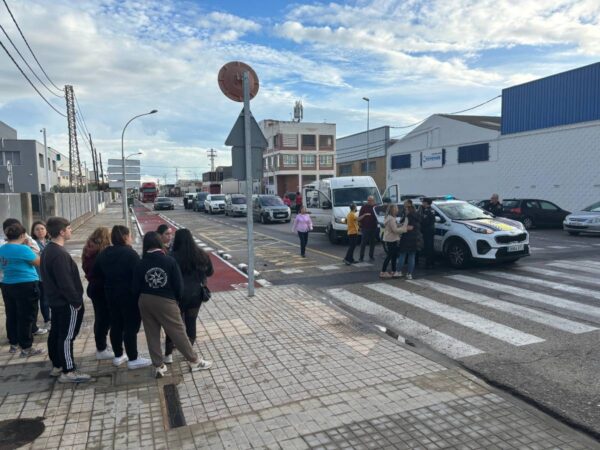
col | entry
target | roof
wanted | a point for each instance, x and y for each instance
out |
(489, 122)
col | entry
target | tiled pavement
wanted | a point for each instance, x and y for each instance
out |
(290, 372)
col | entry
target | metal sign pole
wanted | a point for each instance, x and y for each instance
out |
(249, 179)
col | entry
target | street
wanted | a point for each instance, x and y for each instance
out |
(530, 327)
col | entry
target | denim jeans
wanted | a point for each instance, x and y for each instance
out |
(411, 261)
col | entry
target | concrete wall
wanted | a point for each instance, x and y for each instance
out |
(379, 175)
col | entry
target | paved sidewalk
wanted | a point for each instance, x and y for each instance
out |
(289, 372)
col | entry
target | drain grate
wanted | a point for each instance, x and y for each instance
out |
(18, 432)
(174, 409)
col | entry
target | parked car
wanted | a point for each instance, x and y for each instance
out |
(235, 205)
(534, 212)
(585, 221)
(198, 202)
(163, 203)
(214, 204)
(270, 208)
(188, 199)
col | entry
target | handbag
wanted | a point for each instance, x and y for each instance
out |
(205, 293)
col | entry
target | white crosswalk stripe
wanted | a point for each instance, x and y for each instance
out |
(526, 294)
(577, 266)
(466, 319)
(591, 262)
(568, 276)
(546, 283)
(441, 342)
(531, 314)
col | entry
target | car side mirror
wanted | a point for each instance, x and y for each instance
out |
(326, 204)
(386, 200)
(438, 219)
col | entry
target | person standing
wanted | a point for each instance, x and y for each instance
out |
(391, 236)
(352, 224)
(368, 225)
(166, 236)
(96, 243)
(286, 201)
(158, 283)
(494, 206)
(196, 267)
(427, 217)
(114, 268)
(64, 292)
(409, 242)
(298, 201)
(302, 225)
(39, 233)
(20, 290)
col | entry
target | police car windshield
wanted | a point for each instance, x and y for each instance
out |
(357, 195)
(593, 208)
(462, 211)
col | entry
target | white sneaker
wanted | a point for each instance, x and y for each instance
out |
(202, 364)
(168, 359)
(118, 360)
(139, 363)
(397, 275)
(161, 371)
(104, 354)
(74, 377)
(47, 325)
(408, 276)
(40, 331)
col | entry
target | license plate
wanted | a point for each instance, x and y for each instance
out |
(516, 248)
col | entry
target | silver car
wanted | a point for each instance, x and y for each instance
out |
(585, 221)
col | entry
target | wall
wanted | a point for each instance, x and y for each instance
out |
(379, 175)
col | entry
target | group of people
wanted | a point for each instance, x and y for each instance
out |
(295, 204)
(163, 289)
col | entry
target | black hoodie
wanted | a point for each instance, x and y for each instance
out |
(62, 283)
(158, 274)
(114, 268)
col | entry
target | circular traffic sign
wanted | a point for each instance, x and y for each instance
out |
(231, 78)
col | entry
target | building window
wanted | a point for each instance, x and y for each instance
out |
(41, 160)
(372, 167)
(290, 160)
(53, 166)
(326, 142)
(473, 153)
(309, 160)
(48, 164)
(289, 141)
(401, 161)
(13, 157)
(309, 142)
(265, 164)
(327, 161)
(345, 169)
(276, 141)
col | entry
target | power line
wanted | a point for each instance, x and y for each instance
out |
(81, 113)
(27, 78)
(28, 46)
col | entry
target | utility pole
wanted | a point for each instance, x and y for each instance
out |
(43, 130)
(73, 146)
(101, 169)
(212, 154)
(176, 175)
(94, 165)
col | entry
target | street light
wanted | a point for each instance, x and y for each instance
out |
(124, 189)
(366, 99)
(133, 154)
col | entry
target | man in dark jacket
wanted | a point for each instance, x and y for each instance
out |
(428, 231)
(64, 292)
(368, 226)
(494, 206)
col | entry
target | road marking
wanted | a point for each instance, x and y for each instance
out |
(463, 318)
(591, 262)
(290, 271)
(585, 310)
(407, 327)
(362, 264)
(557, 247)
(554, 273)
(545, 283)
(523, 312)
(326, 268)
(537, 249)
(572, 265)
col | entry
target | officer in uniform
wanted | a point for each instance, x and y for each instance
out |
(494, 206)
(428, 231)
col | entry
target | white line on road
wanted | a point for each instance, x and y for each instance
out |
(585, 310)
(511, 308)
(557, 247)
(578, 266)
(407, 327)
(569, 276)
(463, 318)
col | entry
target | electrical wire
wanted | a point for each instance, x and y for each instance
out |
(27, 78)
(78, 110)
(28, 46)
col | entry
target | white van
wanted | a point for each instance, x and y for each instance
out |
(328, 202)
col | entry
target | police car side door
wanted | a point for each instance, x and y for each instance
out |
(442, 226)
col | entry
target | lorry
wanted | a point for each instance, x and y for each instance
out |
(328, 201)
(148, 192)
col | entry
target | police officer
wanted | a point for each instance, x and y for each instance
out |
(494, 206)
(428, 231)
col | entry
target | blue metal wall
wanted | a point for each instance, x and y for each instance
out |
(561, 99)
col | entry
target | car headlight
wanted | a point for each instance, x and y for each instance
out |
(476, 229)
(518, 225)
(568, 218)
(593, 220)
(340, 220)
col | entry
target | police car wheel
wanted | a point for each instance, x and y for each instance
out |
(527, 223)
(458, 255)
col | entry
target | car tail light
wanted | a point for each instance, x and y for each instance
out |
(515, 210)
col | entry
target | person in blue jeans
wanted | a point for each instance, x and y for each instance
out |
(39, 233)
(409, 241)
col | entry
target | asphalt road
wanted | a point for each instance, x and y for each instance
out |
(531, 327)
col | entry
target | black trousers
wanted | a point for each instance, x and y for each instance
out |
(65, 322)
(369, 237)
(44, 307)
(101, 314)
(21, 308)
(298, 208)
(392, 256)
(352, 239)
(303, 235)
(125, 321)
(428, 249)
(189, 316)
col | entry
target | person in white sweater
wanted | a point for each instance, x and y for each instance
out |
(391, 236)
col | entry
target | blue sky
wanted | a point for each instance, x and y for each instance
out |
(412, 58)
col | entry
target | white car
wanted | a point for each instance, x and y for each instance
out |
(464, 232)
(214, 204)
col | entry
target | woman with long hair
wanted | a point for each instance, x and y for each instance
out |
(158, 284)
(114, 267)
(409, 242)
(95, 244)
(39, 233)
(166, 236)
(302, 225)
(391, 236)
(196, 267)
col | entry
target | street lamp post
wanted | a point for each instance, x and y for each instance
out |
(366, 99)
(43, 130)
(124, 189)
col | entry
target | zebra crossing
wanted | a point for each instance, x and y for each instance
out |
(463, 315)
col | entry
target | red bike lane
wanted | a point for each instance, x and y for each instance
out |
(226, 277)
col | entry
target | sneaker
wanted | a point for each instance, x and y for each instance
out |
(347, 262)
(385, 275)
(138, 363)
(40, 331)
(56, 372)
(13, 349)
(74, 377)
(31, 351)
(397, 275)
(168, 359)
(47, 325)
(104, 354)
(409, 276)
(118, 360)
(161, 371)
(202, 364)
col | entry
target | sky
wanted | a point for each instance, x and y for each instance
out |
(411, 58)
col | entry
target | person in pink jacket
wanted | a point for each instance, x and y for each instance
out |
(302, 225)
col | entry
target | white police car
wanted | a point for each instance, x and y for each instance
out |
(464, 232)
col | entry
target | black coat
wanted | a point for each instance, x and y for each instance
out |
(496, 209)
(409, 240)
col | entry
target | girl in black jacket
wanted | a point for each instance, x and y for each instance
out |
(409, 242)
